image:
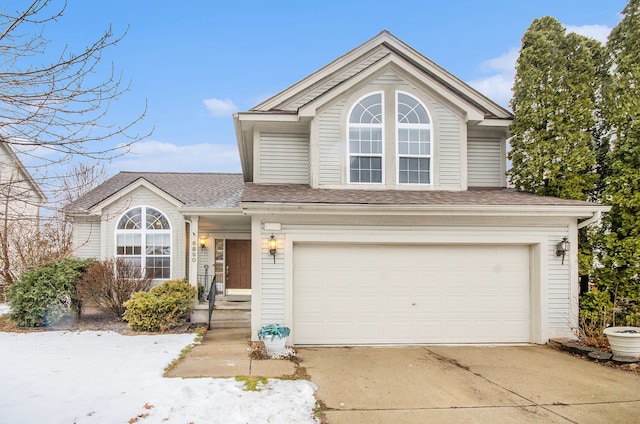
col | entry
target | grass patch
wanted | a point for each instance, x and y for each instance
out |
(251, 384)
(183, 352)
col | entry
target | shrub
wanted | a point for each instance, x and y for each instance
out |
(596, 313)
(108, 284)
(45, 295)
(161, 308)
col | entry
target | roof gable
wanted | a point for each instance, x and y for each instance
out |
(17, 163)
(192, 190)
(383, 48)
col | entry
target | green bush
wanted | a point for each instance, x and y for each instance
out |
(45, 295)
(161, 308)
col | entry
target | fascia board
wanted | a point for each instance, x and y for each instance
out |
(323, 72)
(212, 211)
(504, 123)
(140, 182)
(448, 77)
(311, 108)
(432, 210)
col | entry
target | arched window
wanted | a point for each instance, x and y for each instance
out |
(143, 238)
(366, 129)
(413, 128)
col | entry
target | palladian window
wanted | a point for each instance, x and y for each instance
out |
(143, 238)
(413, 128)
(366, 128)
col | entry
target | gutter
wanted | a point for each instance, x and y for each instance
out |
(596, 217)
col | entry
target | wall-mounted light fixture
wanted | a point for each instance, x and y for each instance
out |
(562, 248)
(273, 247)
(203, 242)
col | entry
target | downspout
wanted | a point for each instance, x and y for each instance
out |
(596, 217)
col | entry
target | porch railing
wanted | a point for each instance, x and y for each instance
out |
(205, 283)
(211, 297)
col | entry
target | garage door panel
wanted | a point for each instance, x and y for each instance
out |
(410, 294)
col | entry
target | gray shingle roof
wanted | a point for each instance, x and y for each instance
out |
(197, 190)
(300, 193)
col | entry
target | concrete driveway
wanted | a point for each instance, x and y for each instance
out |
(515, 384)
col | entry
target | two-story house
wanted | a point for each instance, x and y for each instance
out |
(373, 208)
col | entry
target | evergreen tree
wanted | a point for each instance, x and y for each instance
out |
(554, 99)
(620, 249)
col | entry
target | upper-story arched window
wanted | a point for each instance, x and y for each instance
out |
(143, 238)
(366, 140)
(413, 128)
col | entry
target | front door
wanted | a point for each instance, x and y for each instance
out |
(238, 264)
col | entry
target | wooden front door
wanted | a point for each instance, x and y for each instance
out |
(238, 264)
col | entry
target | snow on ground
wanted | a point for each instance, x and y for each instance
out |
(105, 377)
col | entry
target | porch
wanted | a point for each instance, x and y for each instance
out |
(220, 265)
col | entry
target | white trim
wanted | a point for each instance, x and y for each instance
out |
(382, 127)
(421, 210)
(143, 238)
(139, 182)
(398, 126)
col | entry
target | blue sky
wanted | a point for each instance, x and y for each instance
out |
(197, 62)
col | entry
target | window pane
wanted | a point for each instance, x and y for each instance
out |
(414, 170)
(159, 267)
(411, 111)
(132, 220)
(368, 110)
(156, 220)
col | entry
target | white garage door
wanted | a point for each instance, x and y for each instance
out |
(364, 294)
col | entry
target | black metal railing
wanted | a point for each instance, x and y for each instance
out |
(205, 282)
(211, 297)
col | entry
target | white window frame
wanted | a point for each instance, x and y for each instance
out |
(143, 232)
(399, 126)
(381, 126)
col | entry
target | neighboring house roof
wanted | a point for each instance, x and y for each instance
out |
(303, 194)
(17, 163)
(195, 190)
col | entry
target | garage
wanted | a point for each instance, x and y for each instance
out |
(347, 294)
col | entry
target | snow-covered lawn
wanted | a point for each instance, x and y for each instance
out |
(105, 377)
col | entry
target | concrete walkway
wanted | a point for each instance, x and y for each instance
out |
(528, 384)
(225, 353)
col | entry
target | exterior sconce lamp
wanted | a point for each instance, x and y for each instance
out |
(273, 247)
(562, 248)
(202, 242)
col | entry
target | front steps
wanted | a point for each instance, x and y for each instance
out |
(227, 313)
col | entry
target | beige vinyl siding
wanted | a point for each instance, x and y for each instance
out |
(447, 151)
(390, 78)
(330, 145)
(325, 86)
(86, 237)
(272, 285)
(284, 158)
(484, 162)
(559, 289)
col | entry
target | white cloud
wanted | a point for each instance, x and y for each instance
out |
(158, 156)
(220, 108)
(498, 85)
(599, 32)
